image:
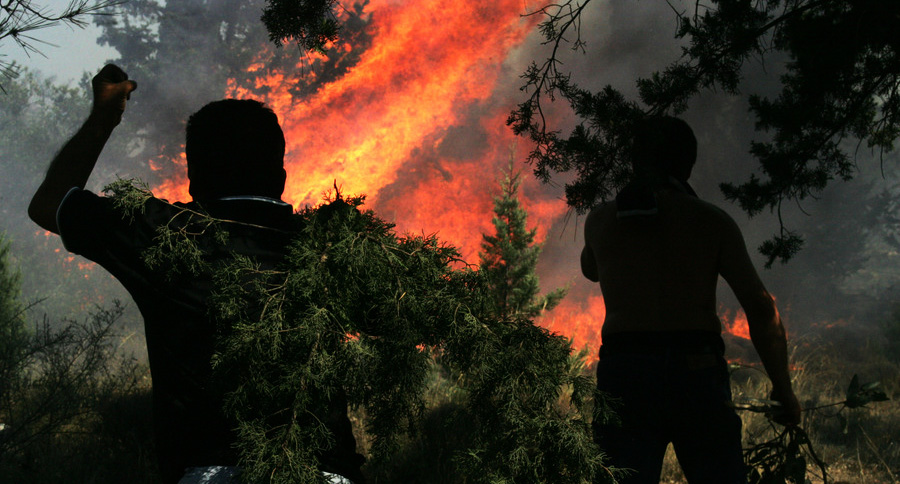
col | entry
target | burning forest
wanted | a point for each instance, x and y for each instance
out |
(418, 125)
(410, 107)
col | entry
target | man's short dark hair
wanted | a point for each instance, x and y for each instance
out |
(235, 147)
(665, 144)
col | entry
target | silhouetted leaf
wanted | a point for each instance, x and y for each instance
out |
(859, 395)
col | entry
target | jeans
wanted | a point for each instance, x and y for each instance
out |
(670, 392)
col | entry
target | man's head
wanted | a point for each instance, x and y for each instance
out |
(235, 147)
(664, 145)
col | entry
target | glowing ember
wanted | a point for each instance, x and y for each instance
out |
(840, 323)
(86, 267)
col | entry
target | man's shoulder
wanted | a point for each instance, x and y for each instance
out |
(607, 211)
(713, 222)
(603, 211)
(87, 220)
(702, 208)
(85, 203)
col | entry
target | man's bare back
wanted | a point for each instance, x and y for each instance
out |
(659, 273)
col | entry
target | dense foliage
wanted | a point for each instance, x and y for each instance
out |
(840, 84)
(358, 310)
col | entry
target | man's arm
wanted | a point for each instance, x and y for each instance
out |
(75, 161)
(766, 330)
(589, 264)
(588, 261)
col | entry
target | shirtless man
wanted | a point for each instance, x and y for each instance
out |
(657, 252)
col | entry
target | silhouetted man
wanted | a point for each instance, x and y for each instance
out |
(235, 152)
(657, 252)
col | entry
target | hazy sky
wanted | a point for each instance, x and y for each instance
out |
(67, 51)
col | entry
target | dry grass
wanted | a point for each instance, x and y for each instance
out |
(860, 446)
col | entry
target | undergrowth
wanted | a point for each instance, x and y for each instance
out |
(858, 445)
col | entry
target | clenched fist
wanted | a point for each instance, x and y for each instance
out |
(111, 90)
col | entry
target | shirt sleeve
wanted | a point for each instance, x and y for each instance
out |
(91, 226)
(85, 221)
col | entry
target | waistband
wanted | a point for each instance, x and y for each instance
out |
(663, 343)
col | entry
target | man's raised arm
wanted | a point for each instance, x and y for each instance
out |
(75, 161)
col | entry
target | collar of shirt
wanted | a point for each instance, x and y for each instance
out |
(255, 198)
(251, 209)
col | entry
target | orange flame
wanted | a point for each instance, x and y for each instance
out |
(382, 128)
(427, 65)
(736, 325)
(418, 125)
(580, 317)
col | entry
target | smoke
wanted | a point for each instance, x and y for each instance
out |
(410, 109)
(848, 269)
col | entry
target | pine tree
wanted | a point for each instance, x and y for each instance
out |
(510, 256)
(20, 19)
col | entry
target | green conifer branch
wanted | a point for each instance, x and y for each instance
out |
(356, 311)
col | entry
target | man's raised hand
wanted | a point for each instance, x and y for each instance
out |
(111, 90)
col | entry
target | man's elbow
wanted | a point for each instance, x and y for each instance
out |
(43, 214)
(763, 317)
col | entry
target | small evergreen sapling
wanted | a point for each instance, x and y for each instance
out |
(510, 256)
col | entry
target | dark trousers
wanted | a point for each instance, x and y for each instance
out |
(671, 387)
